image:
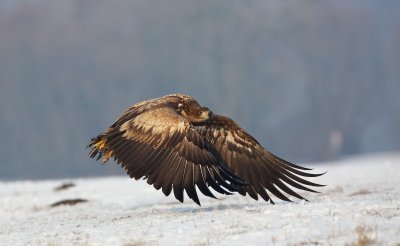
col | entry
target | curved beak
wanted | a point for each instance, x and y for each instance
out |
(205, 114)
(210, 114)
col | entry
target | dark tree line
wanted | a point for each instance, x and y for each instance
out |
(312, 80)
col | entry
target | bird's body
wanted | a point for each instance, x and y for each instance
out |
(178, 145)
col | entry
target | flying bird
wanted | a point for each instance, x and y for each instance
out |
(178, 145)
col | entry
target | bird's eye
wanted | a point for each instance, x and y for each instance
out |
(180, 107)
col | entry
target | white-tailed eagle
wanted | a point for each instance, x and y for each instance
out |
(177, 145)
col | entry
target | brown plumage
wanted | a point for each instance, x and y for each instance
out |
(177, 145)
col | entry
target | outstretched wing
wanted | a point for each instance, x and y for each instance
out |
(259, 168)
(160, 145)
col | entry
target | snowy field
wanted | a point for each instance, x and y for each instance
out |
(359, 206)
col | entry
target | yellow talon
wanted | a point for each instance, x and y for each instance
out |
(100, 145)
(107, 156)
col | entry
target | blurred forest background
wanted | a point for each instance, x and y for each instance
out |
(311, 80)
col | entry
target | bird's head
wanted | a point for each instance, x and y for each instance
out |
(193, 111)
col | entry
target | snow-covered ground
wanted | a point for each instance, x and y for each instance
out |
(360, 204)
